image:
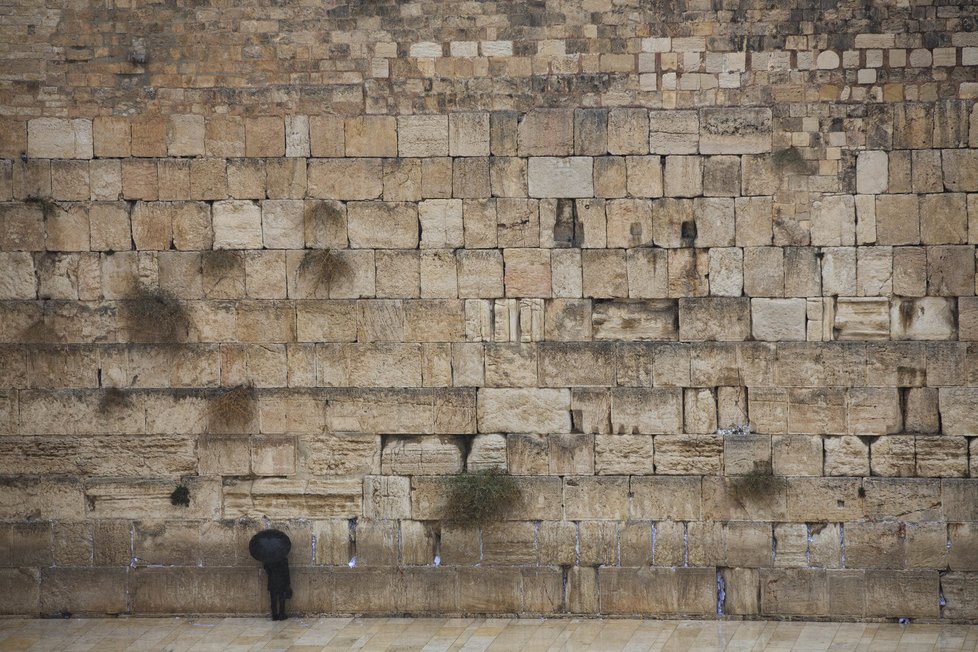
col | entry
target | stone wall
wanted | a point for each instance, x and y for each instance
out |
(700, 274)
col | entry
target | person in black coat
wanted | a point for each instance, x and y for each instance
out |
(271, 547)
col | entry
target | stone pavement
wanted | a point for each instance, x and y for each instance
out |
(311, 634)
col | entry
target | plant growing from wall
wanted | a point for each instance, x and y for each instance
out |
(49, 208)
(790, 159)
(759, 482)
(480, 497)
(180, 496)
(154, 314)
(233, 408)
(319, 268)
(113, 399)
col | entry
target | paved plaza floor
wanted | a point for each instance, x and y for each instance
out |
(310, 634)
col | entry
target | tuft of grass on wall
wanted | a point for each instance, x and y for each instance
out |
(319, 268)
(113, 399)
(154, 314)
(180, 496)
(233, 408)
(49, 208)
(758, 483)
(480, 497)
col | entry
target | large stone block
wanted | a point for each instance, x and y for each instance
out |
(524, 410)
(59, 138)
(422, 135)
(560, 177)
(346, 179)
(383, 225)
(735, 131)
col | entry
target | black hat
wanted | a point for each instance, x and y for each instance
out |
(270, 545)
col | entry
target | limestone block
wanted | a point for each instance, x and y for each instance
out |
(237, 225)
(83, 590)
(402, 179)
(699, 411)
(628, 131)
(517, 223)
(687, 454)
(926, 318)
(960, 169)
(297, 135)
(874, 411)
(185, 135)
(871, 172)
(287, 498)
(943, 219)
(874, 271)
(340, 454)
(68, 230)
(591, 132)
(566, 273)
(527, 272)
(139, 179)
(862, 318)
(897, 220)
(265, 136)
(643, 175)
(105, 179)
(436, 177)
(59, 138)
(715, 223)
(510, 365)
(383, 225)
(18, 280)
(488, 451)
(674, 132)
(421, 456)
(441, 223)
(480, 273)
(742, 454)
(70, 180)
(846, 455)
(611, 177)
(666, 498)
(111, 136)
(942, 457)
(951, 270)
(283, 223)
(503, 133)
(764, 271)
(604, 273)
(648, 274)
(721, 176)
(346, 179)
(560, 177)
(151, 226)
(568, 319)
(571, 454)
(909, 271)
(326, 136)
(893, 456)
(834, 221)
(371, 135)
(224, 136)
(595, 498)
(422, 135)
(470, 177)
(727, 271)
(776, 320)
(246, 178)
(623, 454)
(507, 176)
(524, 410)
(546, 132)
(433, 320)
(468, 134)
(754, 220)
(735, 131)
(683, 176)
(629, 223)
(714, 319)
(688, 272)
(634, 320)
(148, 136)
(208, 179)
(905, 593)
(285, 178)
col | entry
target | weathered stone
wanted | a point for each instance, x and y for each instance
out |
(735, 131)
(560, 177)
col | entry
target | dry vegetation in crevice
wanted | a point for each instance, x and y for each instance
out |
(758, 483)
(319, 268)
(155, 315)
(480, 497)
(113, 399)
(233, 408)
